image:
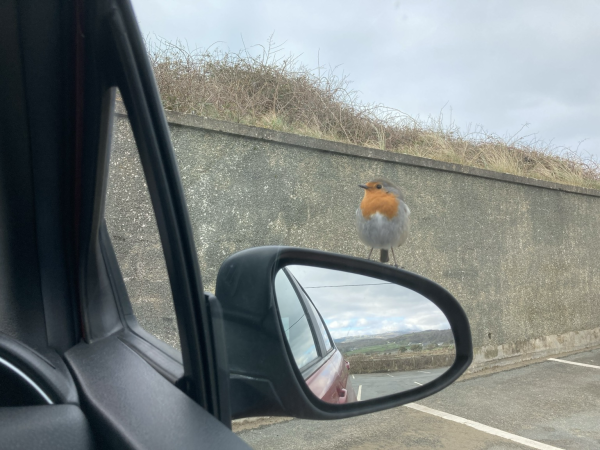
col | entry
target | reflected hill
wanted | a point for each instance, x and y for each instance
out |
(395, 342)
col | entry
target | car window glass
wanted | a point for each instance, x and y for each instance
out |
(134, 235)
(295, 322)
(322, 328)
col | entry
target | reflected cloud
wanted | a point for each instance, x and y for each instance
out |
(356, 305)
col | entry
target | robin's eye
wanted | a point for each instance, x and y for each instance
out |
(379, 186)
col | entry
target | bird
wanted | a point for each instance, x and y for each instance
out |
(382, 218)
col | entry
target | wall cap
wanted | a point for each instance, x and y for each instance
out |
(265, 134)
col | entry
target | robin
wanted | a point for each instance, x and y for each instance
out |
(382, 218)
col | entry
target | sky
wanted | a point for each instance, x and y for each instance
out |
(356, 305)
(498, 64)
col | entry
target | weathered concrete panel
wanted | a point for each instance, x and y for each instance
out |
(522, 256)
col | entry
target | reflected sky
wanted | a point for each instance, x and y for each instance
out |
(355, 305)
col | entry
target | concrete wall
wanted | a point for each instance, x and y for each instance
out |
(522, 256)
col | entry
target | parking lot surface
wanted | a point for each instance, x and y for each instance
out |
(373, 385)
(547, 405)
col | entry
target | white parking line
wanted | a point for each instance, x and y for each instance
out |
(353, 377)
(484, 428)
(422, 371)
(389, 375)
(416, 382)
(574, 363)
(359, 392)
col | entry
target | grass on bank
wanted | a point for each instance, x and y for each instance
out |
(266, 88)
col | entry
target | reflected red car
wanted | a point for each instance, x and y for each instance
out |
(327, 375)
(331, 382)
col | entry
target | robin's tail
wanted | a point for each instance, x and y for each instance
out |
(384, 256)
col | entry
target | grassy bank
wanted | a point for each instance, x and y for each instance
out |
(265, 87)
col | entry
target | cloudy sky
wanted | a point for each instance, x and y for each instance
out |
(499, 64)
(355, 305)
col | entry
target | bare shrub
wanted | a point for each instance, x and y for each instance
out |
(261, 86)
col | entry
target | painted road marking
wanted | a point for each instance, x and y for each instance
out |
(389, 375)
(479, 426)
(359, 392)
(353, 377)
(422, 371)
(574, 363)
(416, 382)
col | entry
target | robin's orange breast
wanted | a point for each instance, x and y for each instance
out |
(382, 203)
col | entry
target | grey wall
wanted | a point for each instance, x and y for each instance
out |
(522, 256)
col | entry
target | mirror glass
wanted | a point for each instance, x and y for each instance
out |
(356, 338)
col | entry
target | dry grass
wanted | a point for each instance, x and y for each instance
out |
(263, 87)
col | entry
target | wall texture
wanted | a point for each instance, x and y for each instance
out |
(522, 256)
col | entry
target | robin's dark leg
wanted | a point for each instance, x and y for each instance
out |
(395, 263)
(384, 255)
(369, 257)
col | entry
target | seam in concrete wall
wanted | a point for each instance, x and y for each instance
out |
(265, 134)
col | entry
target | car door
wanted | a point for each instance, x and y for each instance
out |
(77, 369)
(162, 399)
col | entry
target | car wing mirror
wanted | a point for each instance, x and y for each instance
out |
(318, 335)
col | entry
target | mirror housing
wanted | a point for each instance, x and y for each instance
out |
(264, 379)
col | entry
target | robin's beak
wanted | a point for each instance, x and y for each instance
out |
(364, 186)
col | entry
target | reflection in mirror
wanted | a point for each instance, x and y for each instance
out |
(356, 338)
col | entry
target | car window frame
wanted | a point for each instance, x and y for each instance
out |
(320, 317)
(311, 325)
(323, 354)
(121, 62)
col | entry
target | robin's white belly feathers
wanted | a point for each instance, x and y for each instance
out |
(378, 231)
